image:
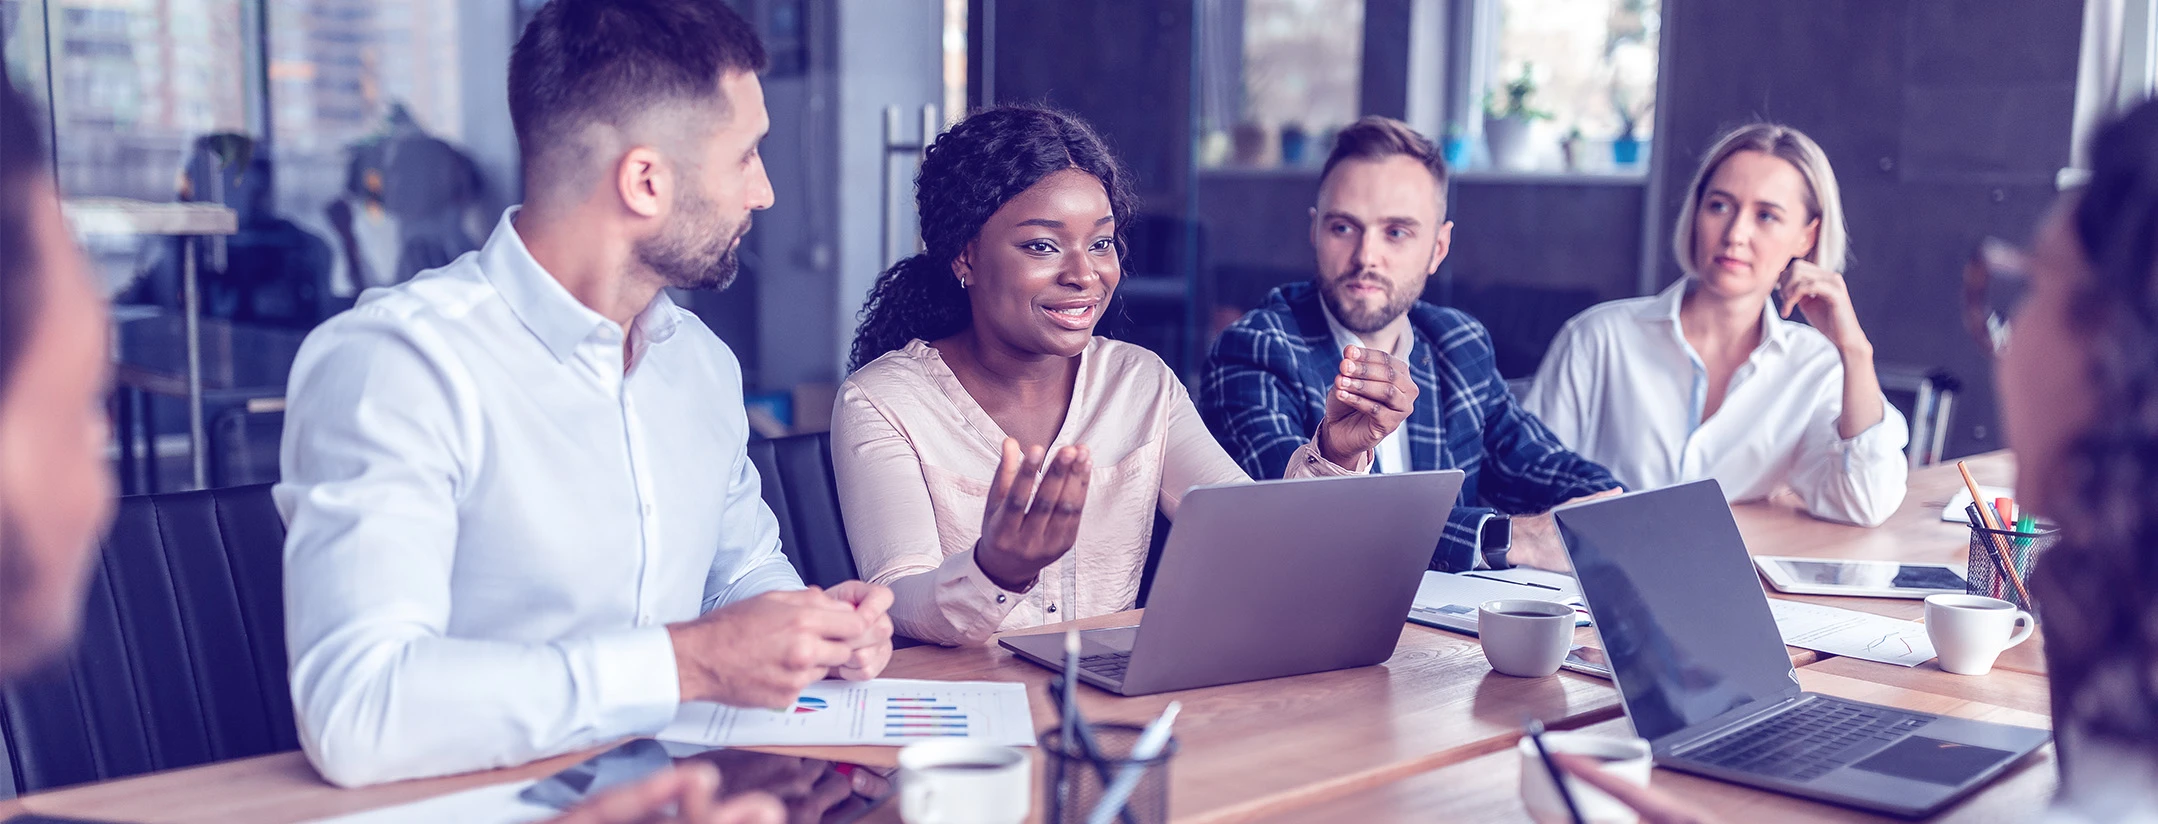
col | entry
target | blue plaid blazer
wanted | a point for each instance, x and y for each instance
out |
(1264, 392)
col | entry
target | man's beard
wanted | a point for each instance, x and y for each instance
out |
(1354, 316)
(697, 250)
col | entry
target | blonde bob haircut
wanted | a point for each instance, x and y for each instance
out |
(1823, 201)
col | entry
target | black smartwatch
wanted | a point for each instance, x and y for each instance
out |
(1493, 538)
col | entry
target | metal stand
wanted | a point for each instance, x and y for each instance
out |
(198, 440)
(116, 216)
(901, 227)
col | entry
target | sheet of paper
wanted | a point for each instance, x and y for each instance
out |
(1953, 512)
(497, 804)
(1852, 633)
(884, 712)
(1448, 600)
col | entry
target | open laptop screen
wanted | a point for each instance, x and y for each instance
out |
(1675, 597)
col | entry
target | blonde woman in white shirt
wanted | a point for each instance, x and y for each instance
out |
(1715, 377)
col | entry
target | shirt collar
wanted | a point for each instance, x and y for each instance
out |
(549, 311)
(1664, 309)
(1404, 343)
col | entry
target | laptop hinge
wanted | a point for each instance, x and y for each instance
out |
(1715, 728)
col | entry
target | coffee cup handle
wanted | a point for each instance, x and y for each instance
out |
(920, 796)
(2025, 624)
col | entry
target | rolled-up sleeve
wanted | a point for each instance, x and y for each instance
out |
(1859, 480)
(378, 437)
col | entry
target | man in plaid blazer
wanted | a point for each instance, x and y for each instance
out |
(1380, 232)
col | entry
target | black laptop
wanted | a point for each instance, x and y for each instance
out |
(1704, 675)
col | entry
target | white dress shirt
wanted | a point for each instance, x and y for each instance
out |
(1622, 387)
(490, 523)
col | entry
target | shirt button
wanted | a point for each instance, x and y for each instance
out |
(648, 510)
(1000, 597)
(1052, 607)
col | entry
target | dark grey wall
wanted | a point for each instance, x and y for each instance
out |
(1123, 65)
(1526, 255)
(1946, 121)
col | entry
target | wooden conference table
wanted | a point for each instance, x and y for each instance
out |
(1428, 734)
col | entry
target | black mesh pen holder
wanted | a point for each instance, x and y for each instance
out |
(2023, 550)
(1078, 780)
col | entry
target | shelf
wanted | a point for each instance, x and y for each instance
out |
(120, 216)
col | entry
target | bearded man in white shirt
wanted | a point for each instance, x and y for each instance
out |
(522, 518)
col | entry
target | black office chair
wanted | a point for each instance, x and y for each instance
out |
(1927, 399)
(798, 485)
(182, 655)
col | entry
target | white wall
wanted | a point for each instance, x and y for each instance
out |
(486, 31)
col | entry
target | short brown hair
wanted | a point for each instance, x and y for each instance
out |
(1373, 137)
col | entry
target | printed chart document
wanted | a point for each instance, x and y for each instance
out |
(884, 712)
(1448, 600)
(1849, 632)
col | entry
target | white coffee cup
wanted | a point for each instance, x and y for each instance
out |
(1969, 631)
(964, 782)
(1627, 758)
(1525, 638)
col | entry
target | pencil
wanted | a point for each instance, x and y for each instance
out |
(1993, 542)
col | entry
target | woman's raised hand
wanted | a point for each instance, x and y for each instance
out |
(1028, 525)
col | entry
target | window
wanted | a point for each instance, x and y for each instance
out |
(1279, 78)
(348, 79)
(134, 83)
(1590, 68)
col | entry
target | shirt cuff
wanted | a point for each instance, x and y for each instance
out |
(635, 685)
(971, 602)
(1878, 438)
(1458, 549)
(1478, 555)
(1306, 462)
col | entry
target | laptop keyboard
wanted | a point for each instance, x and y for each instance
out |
(1807, 742)
(1108, 665)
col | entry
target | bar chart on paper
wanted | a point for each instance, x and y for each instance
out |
(923, 717)
(891, 712)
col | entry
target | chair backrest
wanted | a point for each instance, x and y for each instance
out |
(798, 485)
(1927, 399)
(182, 655)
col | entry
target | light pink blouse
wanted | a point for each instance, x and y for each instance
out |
(914, 455)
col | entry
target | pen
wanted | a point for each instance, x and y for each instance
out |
(2027, 524)
(1151, 743)
(1085, 737)
(1558, 780)
(1994, 542)
(1071, 707)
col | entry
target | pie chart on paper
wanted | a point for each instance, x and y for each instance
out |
(808, 704)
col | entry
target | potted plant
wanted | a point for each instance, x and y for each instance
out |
(1456, 146)
(1574, 148)
(1508, 120)
(1626, 148)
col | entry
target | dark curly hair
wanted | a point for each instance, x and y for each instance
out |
(967, 175)
(2102, 578)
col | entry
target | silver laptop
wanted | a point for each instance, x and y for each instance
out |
(1269, 579)
(1706, 679)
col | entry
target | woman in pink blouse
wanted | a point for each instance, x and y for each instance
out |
(977, 365)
